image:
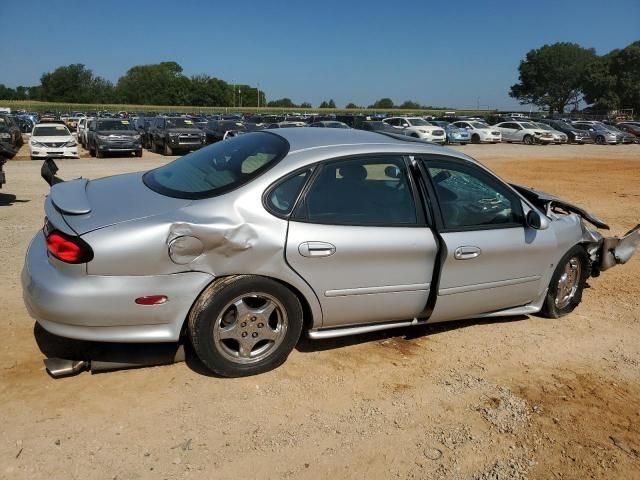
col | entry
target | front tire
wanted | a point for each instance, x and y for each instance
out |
(244, 325)
(567, 284)
(600, 140)
(528, 140)
(168, 151)
(475, 138)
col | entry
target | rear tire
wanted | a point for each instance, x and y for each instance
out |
(92, 151)
(567, 284)
(138, 153)
(232, 337)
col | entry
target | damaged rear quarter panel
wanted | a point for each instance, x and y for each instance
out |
(235, 235)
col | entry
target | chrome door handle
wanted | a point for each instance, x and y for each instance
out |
(316, 249)
(466, 253)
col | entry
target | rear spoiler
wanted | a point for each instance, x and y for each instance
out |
(546, 201)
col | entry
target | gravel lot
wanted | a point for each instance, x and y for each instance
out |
(504, 399)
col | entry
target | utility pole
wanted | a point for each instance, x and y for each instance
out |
(234, 95)
(240, 96)
(258, 96)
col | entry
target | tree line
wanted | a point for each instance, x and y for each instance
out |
(156, 84)
(159, 84)
(560, 76)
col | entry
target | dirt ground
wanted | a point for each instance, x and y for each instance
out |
(503, 399)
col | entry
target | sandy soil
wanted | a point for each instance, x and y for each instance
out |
(510, 399)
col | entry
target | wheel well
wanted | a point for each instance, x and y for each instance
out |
(307, 315)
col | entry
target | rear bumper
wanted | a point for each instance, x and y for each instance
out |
(102, 308)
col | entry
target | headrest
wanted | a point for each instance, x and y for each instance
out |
(353, 172)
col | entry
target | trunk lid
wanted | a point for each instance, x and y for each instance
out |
(88, 205)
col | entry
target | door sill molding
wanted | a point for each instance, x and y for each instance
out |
(321, 334)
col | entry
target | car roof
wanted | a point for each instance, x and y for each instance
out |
(51, 124)
(317, 138)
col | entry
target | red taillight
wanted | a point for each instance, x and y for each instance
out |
(68, 249)
(152, 300)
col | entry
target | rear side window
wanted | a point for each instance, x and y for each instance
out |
(282, 197)
(218, 168)
(364, 191)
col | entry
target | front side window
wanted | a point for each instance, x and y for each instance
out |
(218, 168)
(364, 191)
(470, 198)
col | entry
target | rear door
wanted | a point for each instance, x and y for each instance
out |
(492, 260)
(359, 238)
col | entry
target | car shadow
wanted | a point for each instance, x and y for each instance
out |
(116, 356)
(8, 199)
(307, 345)
(105, 356)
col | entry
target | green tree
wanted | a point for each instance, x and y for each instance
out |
(383, 103)
(282, 103)
(351, 105)
(72, 83)
(7, 93)
(552, 76)
(157, 84)
(612, 81)
(306, 105)
(410, 105)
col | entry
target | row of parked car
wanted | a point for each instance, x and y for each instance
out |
(173, 134)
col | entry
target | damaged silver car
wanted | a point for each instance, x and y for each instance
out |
(243, 245)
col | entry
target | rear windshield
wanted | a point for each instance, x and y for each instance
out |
(218, 168)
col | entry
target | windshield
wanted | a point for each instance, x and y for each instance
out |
(442, 124)
(543, 126)
(114, 125)
(180, 123)
(218, 168)
(529, 126)
(479, 125)
(53, 131)
(418, 122)
(226, 126)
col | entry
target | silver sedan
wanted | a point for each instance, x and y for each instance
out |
(243, 245)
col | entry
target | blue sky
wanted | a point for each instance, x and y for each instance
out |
(438, 53)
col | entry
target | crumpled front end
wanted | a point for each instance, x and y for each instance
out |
(607, 252)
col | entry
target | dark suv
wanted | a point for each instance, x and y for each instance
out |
(112, 135)
(10, 131)
(171, 134)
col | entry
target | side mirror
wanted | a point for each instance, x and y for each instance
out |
(537, 221)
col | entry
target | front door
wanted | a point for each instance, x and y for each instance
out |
(493, 261)
(359, 239)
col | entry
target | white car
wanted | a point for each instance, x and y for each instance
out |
(480, 131)
(418, 127)
(525, 132)
(52, 140)
(558, 137)
(81, 132)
